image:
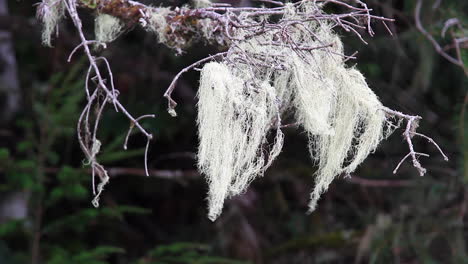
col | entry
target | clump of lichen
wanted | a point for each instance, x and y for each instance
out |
(241, 101)
(50, 12)
(157, 23)
(177, 29)
(234, 119)
(107, 28)
(173, 28)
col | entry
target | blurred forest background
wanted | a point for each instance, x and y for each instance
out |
(46, 214)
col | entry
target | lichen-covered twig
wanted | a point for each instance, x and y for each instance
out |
(222, 24)
(89, 143)
(408, 134)
(271, 54)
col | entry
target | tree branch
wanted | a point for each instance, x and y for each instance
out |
(455, 60)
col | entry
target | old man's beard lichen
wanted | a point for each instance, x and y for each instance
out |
(333, 103)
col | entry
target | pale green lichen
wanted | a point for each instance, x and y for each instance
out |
(107, 28)
(234, 120)
(50, 12)
(333, 103)
(157, 23)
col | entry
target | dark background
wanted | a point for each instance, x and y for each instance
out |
(374, 217)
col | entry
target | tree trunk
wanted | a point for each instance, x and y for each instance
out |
(9, 84)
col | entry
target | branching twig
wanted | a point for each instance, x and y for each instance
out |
(132, 125)
(455, 60)
(408, 134)
(91, 146)
(168, 93)
(225, 21)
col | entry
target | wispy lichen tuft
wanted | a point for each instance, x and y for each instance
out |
(107, 28)
(50, 12)
(157, 23)
(242, 97)
(234, 120)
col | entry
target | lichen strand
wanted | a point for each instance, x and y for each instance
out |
(341, 115)
(234, 120)
(50, 12)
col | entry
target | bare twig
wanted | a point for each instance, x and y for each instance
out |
(132, 125)
(434, 143)
(408, 134)
(407, 156)
(91, 146)
(168, 93)
(455, 60)
(379, 183)
(78, 47)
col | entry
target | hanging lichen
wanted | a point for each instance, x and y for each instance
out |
(50, 12)
(107, 28)
(275, 61)
(341, 115)
(158, 23)
(234, 120)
